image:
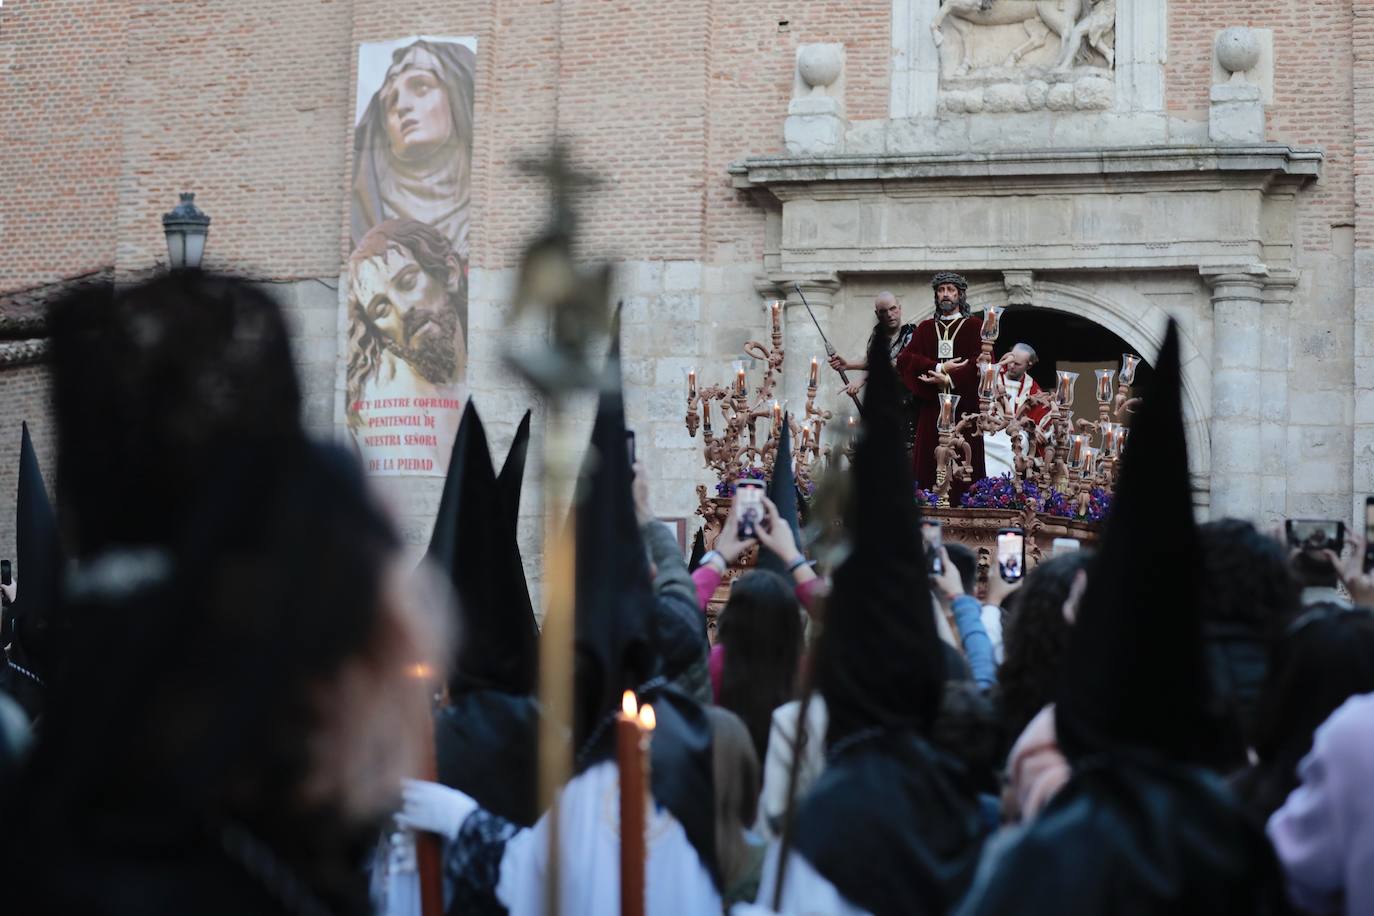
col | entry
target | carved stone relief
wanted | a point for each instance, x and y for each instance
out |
(1024, 55)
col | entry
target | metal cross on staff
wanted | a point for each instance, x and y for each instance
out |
(575, 301)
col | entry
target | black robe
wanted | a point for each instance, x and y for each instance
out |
(1133, 835)
(486, 742)
(894, 825)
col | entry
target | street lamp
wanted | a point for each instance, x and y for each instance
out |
(186, 228)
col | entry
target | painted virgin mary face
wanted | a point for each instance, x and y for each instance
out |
(418, 117)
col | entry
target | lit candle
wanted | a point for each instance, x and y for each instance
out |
(739, 381)
(949, 403)
(806, 438)
(1063, 394)
(630, 747)
(1078, 444)
(987, 381)
(1108, 440)
(1089, 469)
(691, 384)
(1105, 385)
(815, 372)
(777, 314)
(706, 414)
(992, 322)
(853, 421)
(777, 418)
(1129, 361)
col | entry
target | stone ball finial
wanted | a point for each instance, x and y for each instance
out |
(819, 65)
(1238, 49)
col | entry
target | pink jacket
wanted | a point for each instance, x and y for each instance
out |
(707, 579)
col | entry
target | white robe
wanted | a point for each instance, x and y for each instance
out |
(805, 892)
(997, 451)
(675, 879)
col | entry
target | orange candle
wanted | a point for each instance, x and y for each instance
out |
(815, 372)
(777, 418)
(691, 384)
(629, 752)
(776, 315)
(706, 415)
(739, 381)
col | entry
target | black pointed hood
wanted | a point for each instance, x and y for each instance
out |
(613, 632)
(1135, 676)
(615, 635)
(39, 560)
(880, 660)
(474, 542)
(511, 479)
(782, 490)
(698, 550)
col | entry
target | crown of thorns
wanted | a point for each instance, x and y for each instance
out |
(949, 277)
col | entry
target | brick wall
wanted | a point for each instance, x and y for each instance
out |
(1312, 88)
(60, 128)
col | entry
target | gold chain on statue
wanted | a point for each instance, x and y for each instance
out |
(944, 349)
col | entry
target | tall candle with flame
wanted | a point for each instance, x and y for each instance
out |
(992, 322)
(949, 403)
(815, 373)
(691, 384)
(1078, 444)
(1129, 362)
(1089, 467)
(987, 381)
(1063, 392)
(739, 379)
(633, 728)
(1105, 385)
(777, 315)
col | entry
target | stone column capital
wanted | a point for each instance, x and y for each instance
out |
(1248, 276)
(819, 290)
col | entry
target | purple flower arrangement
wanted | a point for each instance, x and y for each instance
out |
(999, 493)
(726, 488)
(925, 497)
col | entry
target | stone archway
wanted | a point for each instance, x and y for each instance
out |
(1141, 325)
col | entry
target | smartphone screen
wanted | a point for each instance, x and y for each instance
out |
(933, 535)
(1064, 545)
(1369, 533)
(749, 507)
(1316, 534)
(1011, 554)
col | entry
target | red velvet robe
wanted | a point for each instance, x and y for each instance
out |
(915, 361)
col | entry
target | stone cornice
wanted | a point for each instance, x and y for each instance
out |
(1174, 165)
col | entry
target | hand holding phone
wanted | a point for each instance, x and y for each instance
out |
(748, 507)
(933, 535)
(1011, 554)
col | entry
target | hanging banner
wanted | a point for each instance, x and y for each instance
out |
(406, 295)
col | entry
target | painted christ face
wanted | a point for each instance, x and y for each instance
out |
(418, 117)
(409, 309)
(888, 312)
(947, 297)
(1018, 361)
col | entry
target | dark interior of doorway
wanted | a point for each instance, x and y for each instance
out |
(1062, 337)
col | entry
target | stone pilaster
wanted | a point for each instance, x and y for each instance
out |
(1237, 391)
(801, 339)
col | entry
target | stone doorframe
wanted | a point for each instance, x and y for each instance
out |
(1034, 217)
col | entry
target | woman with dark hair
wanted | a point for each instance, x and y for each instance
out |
(737, 782)
(1325, 657)
(1037, 636)
(1037, 640)
(761, 635)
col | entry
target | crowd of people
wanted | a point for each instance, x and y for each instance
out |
(226, 692)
